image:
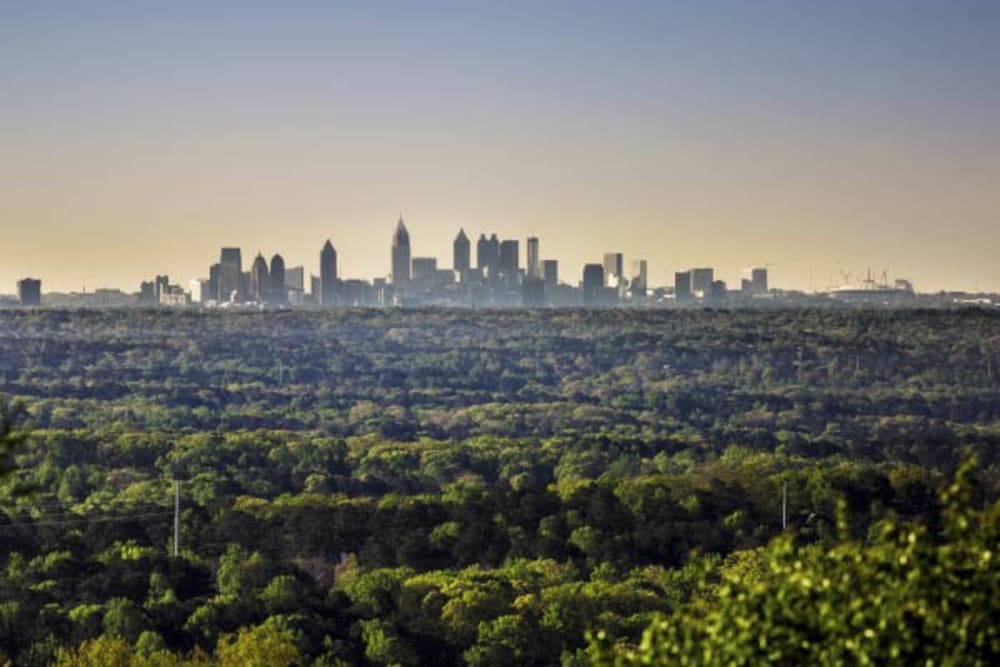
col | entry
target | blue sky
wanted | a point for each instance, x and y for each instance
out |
(817, 136)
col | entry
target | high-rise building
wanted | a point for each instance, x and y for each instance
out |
(482, 252)
(755, 281)
(509, 258)
(424, 269)
(488, 256)
(160, 286)
(277, 292)
(401, 254)
(230, 275)
(199, 290)
(550, 271)
(315, 290)
(260, 279)
(29, 292)
(461, 252)
(214, 272)
(147, 293)
(593, 283)
(533, 292)
(614, 268)
(701, 281)
(295, 278)
(682, 286)
(639, 283)
(328, 276)
(534, 268)
(717, 292)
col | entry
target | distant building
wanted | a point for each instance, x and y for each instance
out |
(315, 290)
(327, 276)
(295, 285)
(230, 275)
(277, 293)
(550, 272)
(29, 292)
(260, 279)
(701, 281)
(214, 272)
(488, 256)
(639, 283)
(682, 286)
(401, 254)
(534, 268)
(424, 269)
(200, 292)
(174, 295)
(160, 285)
(510, 258)
(533, 292)
(295, 279)
(614, 268)
(147, 293)
(755, 281)
(461, 253)
(593, 284)
(717, 292)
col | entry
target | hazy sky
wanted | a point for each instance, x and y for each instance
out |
(138, 138)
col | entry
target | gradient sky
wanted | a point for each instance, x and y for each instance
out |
(138, 138)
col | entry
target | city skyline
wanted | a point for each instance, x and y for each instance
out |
(848, 136)
(507, 250)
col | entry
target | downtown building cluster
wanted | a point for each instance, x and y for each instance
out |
(490, 274)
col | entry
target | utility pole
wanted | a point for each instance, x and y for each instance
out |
(784, 505)
(177, 517)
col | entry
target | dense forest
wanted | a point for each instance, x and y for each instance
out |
(438, 487)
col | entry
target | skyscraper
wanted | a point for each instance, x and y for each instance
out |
(424, 270)
(401, 254)
(461, 250)
(214, 272)
(147, 293)
(29, 292)
(295, 278)
(260, 279)
(510, 260)
(756, 281)
(701, 281)
(614, 265)
(534, 267)
(488, 255)
(230, 275)
(550, 270)
(682, 286)
(277, 292)
(328, 275)
(593, 283)
(160, 286)
(638, 283)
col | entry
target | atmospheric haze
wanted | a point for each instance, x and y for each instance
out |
(812, 136)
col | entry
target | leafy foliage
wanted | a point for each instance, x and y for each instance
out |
(448, 488)
(906, 596)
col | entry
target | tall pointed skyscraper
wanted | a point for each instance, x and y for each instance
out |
(462, 251)
(327, 276)
(260, 279)
(401, 254)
